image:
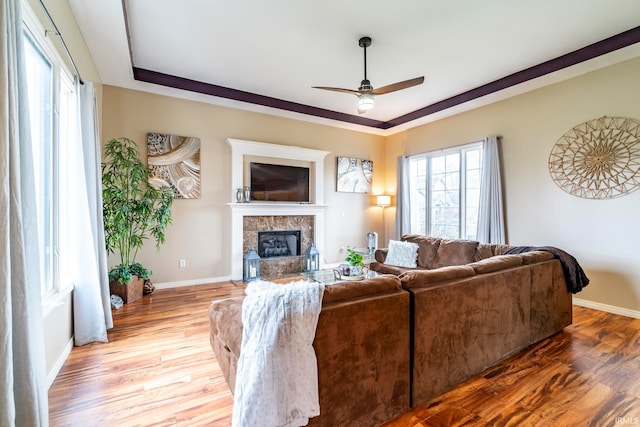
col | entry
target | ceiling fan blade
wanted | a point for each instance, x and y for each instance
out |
(398, 86)
(337, 89)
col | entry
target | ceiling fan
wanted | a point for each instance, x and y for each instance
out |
(366, 91)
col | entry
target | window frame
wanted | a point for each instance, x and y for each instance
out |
(427, 157)
(60, 76)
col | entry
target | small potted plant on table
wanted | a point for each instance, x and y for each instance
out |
(133, 210)
(355, 269)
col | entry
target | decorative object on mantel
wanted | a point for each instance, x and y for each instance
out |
(598, 159)
(354, 175)
(175, 161)
(312, 258)
(247, 194)
(251, 266)
(239, 195)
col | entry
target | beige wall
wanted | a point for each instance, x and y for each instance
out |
(200, 232)
(601, 234)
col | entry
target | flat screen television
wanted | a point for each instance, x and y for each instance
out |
(279, 183)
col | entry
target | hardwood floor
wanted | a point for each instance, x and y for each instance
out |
(158, 370)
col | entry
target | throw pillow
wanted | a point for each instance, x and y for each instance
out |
(402, 254)
(427, 248)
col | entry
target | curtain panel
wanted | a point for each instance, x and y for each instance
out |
(491, 228)
(403, 201)
(91, 298)
(23, 397)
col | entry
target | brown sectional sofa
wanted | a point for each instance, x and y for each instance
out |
(396, 341)
(362, 347)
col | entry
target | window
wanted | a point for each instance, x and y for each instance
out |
(444, 191)
(53, 120)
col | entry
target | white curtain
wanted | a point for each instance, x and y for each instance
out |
(23, 382)
(91, 299)
(403, 201)
(491, 214)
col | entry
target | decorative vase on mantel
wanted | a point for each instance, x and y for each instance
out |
(247, 194)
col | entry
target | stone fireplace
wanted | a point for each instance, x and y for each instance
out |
(280, 240)
(248, 219)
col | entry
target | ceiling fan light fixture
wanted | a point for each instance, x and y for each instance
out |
(365, 102)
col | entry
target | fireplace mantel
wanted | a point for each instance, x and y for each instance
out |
(240, 148)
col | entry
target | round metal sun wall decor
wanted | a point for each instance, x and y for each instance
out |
(598, 159)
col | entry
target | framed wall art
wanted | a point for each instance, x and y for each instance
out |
(175, 161)
(354, 175)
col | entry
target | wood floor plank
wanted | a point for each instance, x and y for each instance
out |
(159, 370)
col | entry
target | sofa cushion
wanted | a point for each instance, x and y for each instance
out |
(455, 252)
(498, 262)
(425, 278)
(427, 248)
(487, 250)
(402, 254)
(383, 284)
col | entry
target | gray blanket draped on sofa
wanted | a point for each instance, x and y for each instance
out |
(573, 273)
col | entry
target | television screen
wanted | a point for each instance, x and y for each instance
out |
(279, 183)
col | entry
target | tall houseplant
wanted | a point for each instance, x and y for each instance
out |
(132, 208)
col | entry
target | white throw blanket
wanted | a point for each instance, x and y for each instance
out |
(277, 375)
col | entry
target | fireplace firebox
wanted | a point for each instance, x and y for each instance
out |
(275, 244)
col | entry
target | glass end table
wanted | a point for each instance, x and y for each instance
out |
(328, 276)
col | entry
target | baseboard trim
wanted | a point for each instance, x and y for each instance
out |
(55, 369)
(606, 307)
(167, 285)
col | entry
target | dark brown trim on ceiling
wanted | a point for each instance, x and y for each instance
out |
(586, 53)
(619, 41)
(252, 98)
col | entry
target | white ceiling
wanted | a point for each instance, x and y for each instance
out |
(280, 48)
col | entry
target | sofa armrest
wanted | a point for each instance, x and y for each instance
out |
(381, 255)
(382, 268)
(495, 263)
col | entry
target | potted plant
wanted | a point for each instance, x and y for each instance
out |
(133, 211)
(354, 268)
(354, 258)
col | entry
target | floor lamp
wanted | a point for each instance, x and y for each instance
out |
(383, 201)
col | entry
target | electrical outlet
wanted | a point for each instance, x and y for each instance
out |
(183, 263)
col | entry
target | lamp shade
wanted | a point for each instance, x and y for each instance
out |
(365, 102)
(383, 200)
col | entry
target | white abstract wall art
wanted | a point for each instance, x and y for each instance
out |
(175, 161)
(354, 175)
